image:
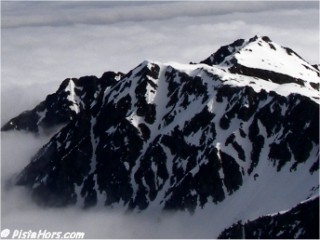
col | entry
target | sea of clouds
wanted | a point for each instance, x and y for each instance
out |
(42, 43)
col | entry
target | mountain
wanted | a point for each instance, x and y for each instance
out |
(182, 136)
(74, 95)
(300, 222)
(260, 57)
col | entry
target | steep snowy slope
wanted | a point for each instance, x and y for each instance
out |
(300, 222)
(230, 134)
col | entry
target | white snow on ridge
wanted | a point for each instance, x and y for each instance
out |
(273, 57)
(187, 68)
(259, 54)
(72, 97)
(207, 72)
(281, 89)
(151, 92)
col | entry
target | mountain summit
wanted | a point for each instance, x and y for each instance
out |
(240, 127)
(259, 56)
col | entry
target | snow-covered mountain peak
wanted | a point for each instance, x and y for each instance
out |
(215, 75)
(250, 56)
(230, 131)
(262, 53)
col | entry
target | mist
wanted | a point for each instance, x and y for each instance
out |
(44, 43)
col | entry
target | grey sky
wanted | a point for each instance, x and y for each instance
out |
(22, 14)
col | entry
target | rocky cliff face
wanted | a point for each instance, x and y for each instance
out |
(178, 136)
(74, 95)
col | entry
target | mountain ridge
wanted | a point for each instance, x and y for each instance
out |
(300, 222)
(177, 136)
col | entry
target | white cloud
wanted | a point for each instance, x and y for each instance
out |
(39, 13)
(44, 43)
